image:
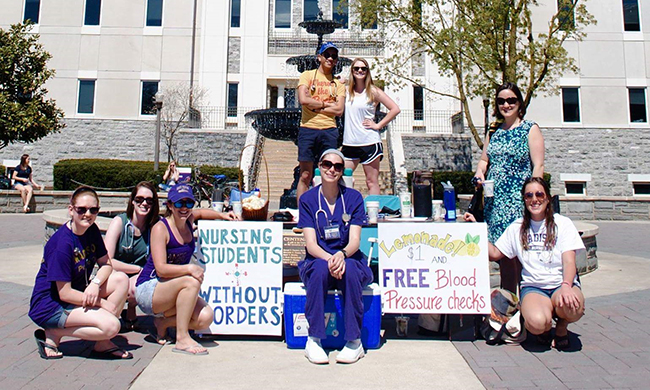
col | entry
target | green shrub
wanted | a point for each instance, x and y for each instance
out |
(461, 180)
(3, 169)
(117, 175)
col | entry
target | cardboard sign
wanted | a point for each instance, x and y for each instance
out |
(243, 276)
(434, 268)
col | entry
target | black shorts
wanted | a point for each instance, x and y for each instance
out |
(366, 154)
(313, 142)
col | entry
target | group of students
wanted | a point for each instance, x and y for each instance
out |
(84, 280)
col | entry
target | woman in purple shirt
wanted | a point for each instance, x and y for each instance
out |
(67, 300)
(168, 286)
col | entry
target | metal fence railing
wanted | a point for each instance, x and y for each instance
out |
(351, 44)
(219, 117)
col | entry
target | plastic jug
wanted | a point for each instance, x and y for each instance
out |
(449, 199)
(422, 194)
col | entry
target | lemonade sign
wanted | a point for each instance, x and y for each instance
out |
(434, 268)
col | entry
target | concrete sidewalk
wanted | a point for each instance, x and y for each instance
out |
(611, 343)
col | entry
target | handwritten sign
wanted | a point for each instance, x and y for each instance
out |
(243, 276)
(434, 268)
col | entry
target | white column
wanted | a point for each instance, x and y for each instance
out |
(280, 103)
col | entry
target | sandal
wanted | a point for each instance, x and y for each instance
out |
(161, 340)
(110, 354)
(39, 336)
(545, 339)
(129, 325)
(561, 343)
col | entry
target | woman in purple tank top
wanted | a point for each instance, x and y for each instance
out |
(169, 284)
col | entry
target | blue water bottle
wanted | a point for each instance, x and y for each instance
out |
(449, 199)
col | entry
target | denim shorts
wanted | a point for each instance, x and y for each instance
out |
(144, 296)
(547, 292)
(313, 142)
(57, 321)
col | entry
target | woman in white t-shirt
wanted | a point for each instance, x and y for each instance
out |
(361, 137)
(546, 244)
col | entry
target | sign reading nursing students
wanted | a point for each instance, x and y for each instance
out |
(434, 268)
(243, 275)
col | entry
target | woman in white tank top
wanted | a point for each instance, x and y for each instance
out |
(361, 137)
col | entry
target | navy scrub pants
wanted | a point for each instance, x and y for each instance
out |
(317, 279)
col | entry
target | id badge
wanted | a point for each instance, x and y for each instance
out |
(332, 232)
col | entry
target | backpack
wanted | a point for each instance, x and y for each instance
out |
(5, 183)
(504, 325)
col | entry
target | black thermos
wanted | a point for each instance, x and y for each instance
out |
(422, 194)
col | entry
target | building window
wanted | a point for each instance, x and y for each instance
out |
(565, 14)
(637, 105)
(235, 13)
(340, 12)
(232, 99)
(154, 13)
(418, 103)
(32, 10)
(149, 89)
(282, 13)
(631, 15)
(86, 102)
(93, 11)
(575, 183)
(577, 188)
(641, 188)
(310, 9)
(571, 104)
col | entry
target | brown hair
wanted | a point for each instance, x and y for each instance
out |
(23, 160)
(370, 86)
(82, 190)
(154, 211)
(551, 227)
(515, 89)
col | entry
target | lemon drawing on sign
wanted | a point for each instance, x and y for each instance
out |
(472, 245)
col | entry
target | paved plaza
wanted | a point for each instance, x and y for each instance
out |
(610, 345)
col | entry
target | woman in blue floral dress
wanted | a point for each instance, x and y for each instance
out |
(513, 153)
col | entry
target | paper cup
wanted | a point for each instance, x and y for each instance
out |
(217, 206)
(436, 206)
(405, 204)
(236, 208)
(488, 188)
(373, 211)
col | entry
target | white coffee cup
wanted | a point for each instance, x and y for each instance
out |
(437, 209)
(405, 204)
(488, 188)
(217, 206)
(236, 208)
(373, 210)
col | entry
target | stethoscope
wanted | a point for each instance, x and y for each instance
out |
(345, 217)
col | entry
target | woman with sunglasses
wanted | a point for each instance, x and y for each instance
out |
(546, 244)
(514, 151)
(127, 240)
(361, 137)
(68, 300)
(331, 217)
(171, 177)
(169, 284)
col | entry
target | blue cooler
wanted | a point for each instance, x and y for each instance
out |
(295, 322)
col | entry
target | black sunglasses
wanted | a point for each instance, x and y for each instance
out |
(538, 194)
(334, 55)
(360, 68)
(511, 100)
(84, 210)
(142, 199)
(326, 165)
(189, 203)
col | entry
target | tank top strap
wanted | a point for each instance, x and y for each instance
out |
(173, 242)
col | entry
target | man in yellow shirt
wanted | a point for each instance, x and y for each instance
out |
(323, 99)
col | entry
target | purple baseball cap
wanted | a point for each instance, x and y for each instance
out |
(180, 191)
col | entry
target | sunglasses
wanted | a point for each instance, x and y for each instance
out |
(360, 68)
(84, 210)
(511, 100)
(334, 56)
(326, 165)
(142, 199)
(538, 194)
(189, 203)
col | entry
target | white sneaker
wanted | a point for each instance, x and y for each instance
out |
(352, 352)
(314, 351)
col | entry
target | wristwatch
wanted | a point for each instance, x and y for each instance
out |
(344, 253)
(97, 281)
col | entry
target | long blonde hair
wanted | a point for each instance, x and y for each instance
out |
(369, 87)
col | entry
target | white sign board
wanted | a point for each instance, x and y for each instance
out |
(434, 268)
(243, 276)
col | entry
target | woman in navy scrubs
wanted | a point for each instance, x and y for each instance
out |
(331, 216)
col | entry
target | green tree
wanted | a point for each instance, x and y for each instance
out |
(25, 113)
(479, 44)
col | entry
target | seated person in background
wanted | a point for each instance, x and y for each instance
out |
(545, 243)
(168, 286)
(67, 300)
(331, 216)
(24, 181)
(170, 178)
(127, 239)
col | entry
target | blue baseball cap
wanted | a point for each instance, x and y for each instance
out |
(327, 45)
(179, 192)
